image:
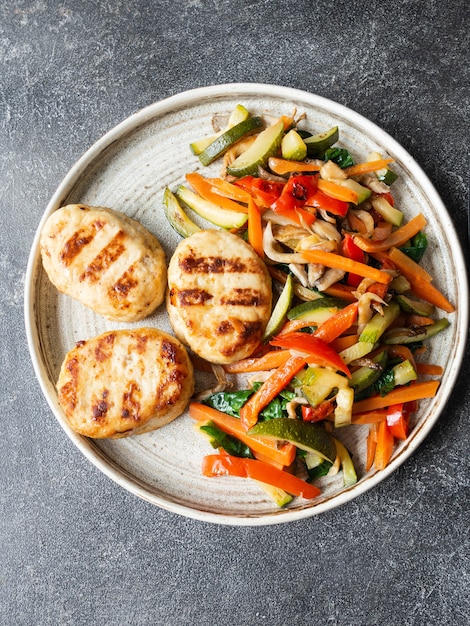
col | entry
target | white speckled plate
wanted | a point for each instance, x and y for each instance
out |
(128, 170)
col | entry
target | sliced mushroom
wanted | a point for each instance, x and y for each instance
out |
(298, 270)
(326, 216)
(315, 272)
(330, 277)
(222, 383)
(290, 234)
(325, 230)
(374, 184)
(365, 312)
(274, 251)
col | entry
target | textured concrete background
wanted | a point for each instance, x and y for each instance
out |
(74, 547)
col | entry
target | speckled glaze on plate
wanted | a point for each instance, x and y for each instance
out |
(128, 169)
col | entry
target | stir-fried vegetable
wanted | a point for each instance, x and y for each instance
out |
(224, 465)
(356, 308)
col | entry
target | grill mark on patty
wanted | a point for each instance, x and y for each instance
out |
(167, 393)
(141, 345)
(119, 291)
(190, 297)
(108, 255)
(104, 347)
(100, 409)
(217, 265)
(74, 246)
(244, 297)
(79, 240)
(168, 352)
(224, 328)
(67, 393)
(130, 403)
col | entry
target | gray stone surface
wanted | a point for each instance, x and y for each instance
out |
(74, 547)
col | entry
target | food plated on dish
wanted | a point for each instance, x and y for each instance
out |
(299, 284)
(353, 318)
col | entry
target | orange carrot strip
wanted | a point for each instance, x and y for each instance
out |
(384, 449)
(371, 445)
(263, 457)
(397, 238)
(370, 417)
(379, 289)
(414, 391)
(418, 320)
(338, 290)
(222, 465)
(224, 188)
(407, 266)
(330, 259)
(284, 166)
(284, 454)
(255, 228)
(204, 189)
(341, 343)
(429, 293)
(339, 323)
(404, 263)
(338, 191)
(427, 369)
(356, 224)
(269, 361)
(365, 168)
(418, 278)
(269, 390)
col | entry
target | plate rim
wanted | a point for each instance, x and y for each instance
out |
(140, 118)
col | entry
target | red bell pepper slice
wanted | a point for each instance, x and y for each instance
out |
(317, 413)
(264, 192)
(398, 417)
(320, 200)
(225, 465)
(388, 196)
(296, 192)
(320, 352)
(352, 251)
(294, 196)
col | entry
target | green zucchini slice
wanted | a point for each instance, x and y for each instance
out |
(228, 138)
(266, 144)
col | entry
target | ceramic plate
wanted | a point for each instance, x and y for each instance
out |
(128, 169)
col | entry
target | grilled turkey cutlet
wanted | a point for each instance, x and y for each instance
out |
(219, 296)
(125, 382)
(105, 260)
